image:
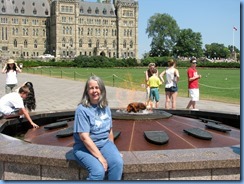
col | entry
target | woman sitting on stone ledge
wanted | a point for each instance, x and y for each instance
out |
(94, 146)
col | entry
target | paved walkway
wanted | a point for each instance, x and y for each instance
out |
(55, 94)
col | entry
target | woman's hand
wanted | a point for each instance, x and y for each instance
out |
(103, 162)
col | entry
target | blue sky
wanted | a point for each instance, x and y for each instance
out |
(214, 19)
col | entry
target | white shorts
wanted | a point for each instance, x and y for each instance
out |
(194, 94)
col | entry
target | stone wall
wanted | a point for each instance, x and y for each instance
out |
(20, 160)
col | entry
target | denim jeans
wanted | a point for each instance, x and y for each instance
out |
(94, 166)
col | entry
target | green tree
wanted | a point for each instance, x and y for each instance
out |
(216, 50)
(164, 31)
(189, 44)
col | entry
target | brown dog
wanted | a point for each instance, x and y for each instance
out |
(136, 107)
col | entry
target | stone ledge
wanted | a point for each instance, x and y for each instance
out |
(137, 164)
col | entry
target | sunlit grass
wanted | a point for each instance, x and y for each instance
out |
(216, 84)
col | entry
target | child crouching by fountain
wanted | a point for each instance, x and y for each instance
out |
(154, 82)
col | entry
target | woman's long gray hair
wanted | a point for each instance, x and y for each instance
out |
(103, 97)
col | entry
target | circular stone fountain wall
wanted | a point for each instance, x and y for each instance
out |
(139, 132)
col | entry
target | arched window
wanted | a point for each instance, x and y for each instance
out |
(70, 30)
(16, 10)
(88, 31)
(15, 43)
(25, 44)
(97, 11)
(114, 44)
(97, 44)
(22, 10)
(63, 30)
(81, 10)
(124, 44)
(71, 42)
(35, 44)
(90, 43)
(63, 42)
(80, 43)
(46, 12)
(89, 10)
(104, 11)
(131, 44)
(3, 9)
(111, 12)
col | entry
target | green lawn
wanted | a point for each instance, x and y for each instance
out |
(216, 84)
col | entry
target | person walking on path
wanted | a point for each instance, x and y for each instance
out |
(148, 74)
(154, 83)
(171, 88)
(94, 146)
(11, 70)
(193, 85)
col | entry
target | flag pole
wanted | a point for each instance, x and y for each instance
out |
(233, 39)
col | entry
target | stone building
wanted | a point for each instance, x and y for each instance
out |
(68, 28)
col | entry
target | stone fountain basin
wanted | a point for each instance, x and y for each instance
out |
(20, 160)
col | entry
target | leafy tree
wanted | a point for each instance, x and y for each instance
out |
(189, 44)
(216, 50)
(163, 30)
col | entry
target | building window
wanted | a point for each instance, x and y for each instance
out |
(111, 12)
(25, 44)
(124, 44)
(89, 10)
(71, 42)
(3, 9)
(114, 44)
(15, 43)
(104, 11)
(34, 12)
(90, 43)
(80, 43)
(22, 10)
(16, 10)
(97, 44)
(81, 10)
(35, 44)
(97, 11)
(63, 42)
(43, 32)
(131, 44)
